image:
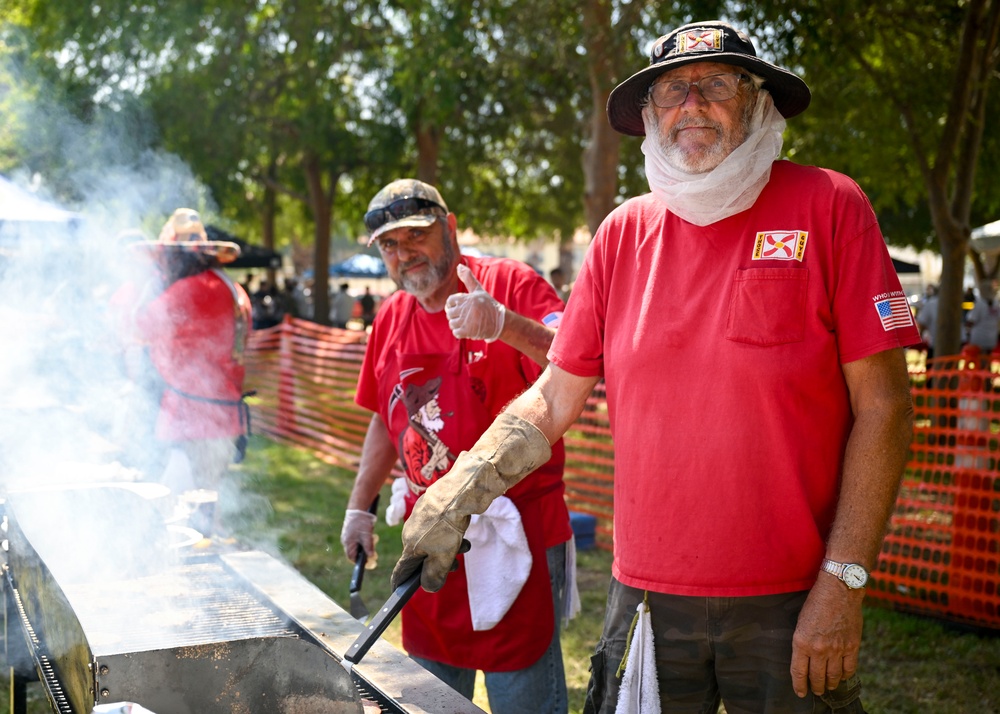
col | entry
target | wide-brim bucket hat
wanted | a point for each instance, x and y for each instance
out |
(712, 41)
(184, 232)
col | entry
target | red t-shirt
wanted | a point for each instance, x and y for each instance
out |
(197, 332)
(496, 372)
(437, 395)
(721, 347)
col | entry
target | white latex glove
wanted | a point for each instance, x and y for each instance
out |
(397, 503)
(359, 529)
(474, 315)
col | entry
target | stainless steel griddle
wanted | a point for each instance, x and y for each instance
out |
(106, 608)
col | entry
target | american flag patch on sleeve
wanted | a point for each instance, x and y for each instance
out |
(894, 312)
(552, 319)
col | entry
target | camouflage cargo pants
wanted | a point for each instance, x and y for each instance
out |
(710, 650)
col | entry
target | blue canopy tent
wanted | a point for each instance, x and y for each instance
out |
(361, 265)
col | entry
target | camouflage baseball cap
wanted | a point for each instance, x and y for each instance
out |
(402, 203)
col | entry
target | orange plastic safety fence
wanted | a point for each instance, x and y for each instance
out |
(306, 376)
(940, 555)
(589, 471)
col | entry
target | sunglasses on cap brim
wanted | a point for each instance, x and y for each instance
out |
(403, 208)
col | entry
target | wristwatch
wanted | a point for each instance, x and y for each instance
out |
(852, 575)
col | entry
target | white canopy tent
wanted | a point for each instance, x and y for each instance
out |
(30, 225)
(986, 239)
(18, 205)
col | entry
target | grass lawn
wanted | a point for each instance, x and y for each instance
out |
(910, 664)
(290, 504)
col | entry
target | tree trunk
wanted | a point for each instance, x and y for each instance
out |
(267, 226)
(987, 265)
(566, 258)
(428, 149)
(600, 157)
(600, 163)
(960, 149)
(322, 207)
(954, 249)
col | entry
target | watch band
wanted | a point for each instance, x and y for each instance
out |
(852, 575)
(834, 568)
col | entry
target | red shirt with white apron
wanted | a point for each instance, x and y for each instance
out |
(197, 331)
(437, 395)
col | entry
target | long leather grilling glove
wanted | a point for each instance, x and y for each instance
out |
(507, 452)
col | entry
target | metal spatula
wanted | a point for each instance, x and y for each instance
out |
(359, 610)
(387, 613)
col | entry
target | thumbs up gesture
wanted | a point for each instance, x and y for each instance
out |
(474, 315)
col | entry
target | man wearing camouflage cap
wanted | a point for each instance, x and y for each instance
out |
(749, 326)
(448, 350)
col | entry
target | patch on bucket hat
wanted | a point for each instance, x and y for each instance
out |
(700, 40)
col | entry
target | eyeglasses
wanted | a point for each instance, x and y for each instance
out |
(400, 209)
(714, 88)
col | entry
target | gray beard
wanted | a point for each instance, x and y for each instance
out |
(425, 285)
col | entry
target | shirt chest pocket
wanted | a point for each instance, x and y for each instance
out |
(768, 306)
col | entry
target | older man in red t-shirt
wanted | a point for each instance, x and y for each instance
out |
(750, 328)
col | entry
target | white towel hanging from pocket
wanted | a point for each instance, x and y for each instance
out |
(640, 691)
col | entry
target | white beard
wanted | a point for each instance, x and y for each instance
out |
(706, 159)
(726, 187)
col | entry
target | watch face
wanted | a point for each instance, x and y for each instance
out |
(855, 576)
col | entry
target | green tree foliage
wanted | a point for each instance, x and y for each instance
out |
(901, 102)
(501, 102)
(290, 108)
(279, 112)
(260, 99)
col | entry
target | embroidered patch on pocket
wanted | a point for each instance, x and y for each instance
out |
(780, 245)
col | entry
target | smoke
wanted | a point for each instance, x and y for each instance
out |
(75, 407)
(83, 476)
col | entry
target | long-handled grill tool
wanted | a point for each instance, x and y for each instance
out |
(359, 610)
(387, 613)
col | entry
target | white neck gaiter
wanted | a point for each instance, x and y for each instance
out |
(729, 188)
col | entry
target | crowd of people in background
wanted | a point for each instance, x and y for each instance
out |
(292, 297)
(980, 317)
(982, 321)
